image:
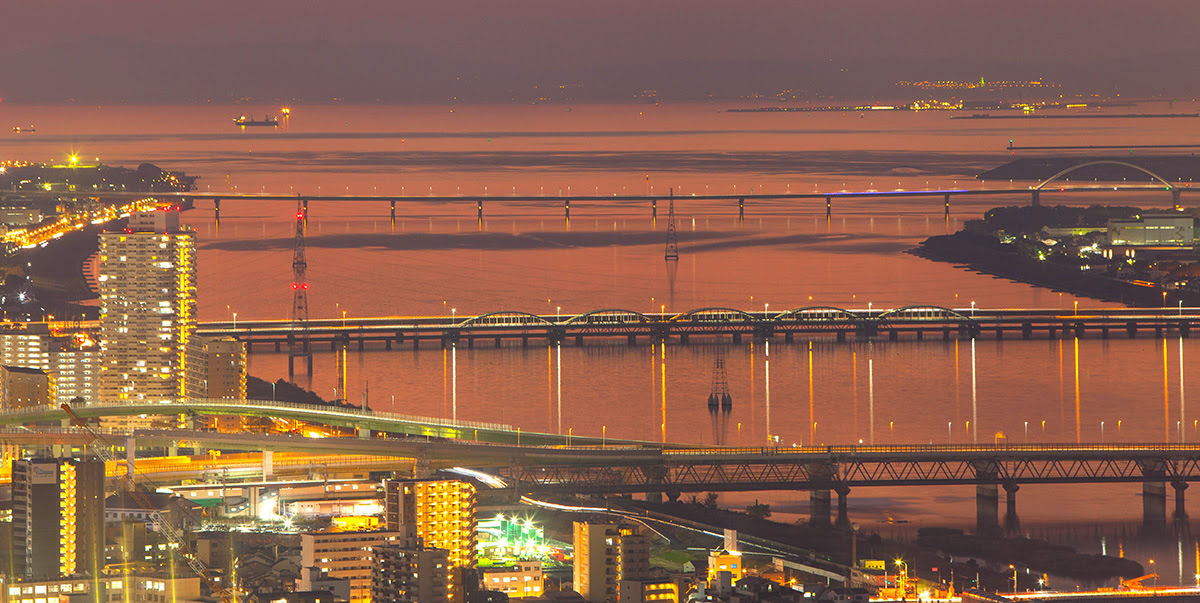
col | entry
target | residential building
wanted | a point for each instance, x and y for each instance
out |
(411, 573)
(633, 553)
(343, 555)
(522, 580)
(645, 590)
(25, 344)
(596, 577)
(723, 560)
(57, 518)
(218, 368)
(116, 587)
(443, 513)
(147, 308)
(21, 387)
(75, 367)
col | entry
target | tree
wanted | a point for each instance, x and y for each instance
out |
(758, 511)
(710, 500)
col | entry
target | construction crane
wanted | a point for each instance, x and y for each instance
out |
(102, 447)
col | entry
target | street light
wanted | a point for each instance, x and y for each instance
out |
(1014, 569)
(557, 310)
(1101, 432)
(235, 320)
(603, 435)
(1026, 432)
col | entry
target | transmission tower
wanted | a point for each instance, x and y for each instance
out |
(298, 339)
(672, 250)
(672, 241)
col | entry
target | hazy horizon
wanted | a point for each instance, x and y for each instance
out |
(137, 51)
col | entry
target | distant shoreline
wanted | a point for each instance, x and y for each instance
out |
(1082, 116)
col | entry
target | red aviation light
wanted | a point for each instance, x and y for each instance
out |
(295, 286)
(299, 215)
(305, 286)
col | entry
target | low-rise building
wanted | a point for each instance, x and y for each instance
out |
(411, 573)
(1153, 230)
(521, 580)
(344, 555)
(116, 587)
(644, 590)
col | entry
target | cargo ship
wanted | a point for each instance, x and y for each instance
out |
(250, 121)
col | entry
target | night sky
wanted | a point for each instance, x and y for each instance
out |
(493, 49)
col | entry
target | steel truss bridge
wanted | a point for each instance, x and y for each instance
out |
(917, 321)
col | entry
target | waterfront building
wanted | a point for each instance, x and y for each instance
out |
(1153, 230)
(25, 344)
(411, 573)
(345, 555)
(21, 387)
(443, 513)
(147, 308)
(57, 517)
(521, 580)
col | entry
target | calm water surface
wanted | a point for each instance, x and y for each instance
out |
(437, 259)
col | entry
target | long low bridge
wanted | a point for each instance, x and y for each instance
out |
(916, 321)
(558, 464)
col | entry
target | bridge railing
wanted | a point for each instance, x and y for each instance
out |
(932, 448)
(197, 406)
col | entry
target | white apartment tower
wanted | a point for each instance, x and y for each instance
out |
(147, 308)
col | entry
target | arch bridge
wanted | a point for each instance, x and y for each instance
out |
(1175, 192)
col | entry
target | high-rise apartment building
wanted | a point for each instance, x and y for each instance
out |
(147, 308)
(75, 367)
(606, 554)
(443, 512)
(57, 518)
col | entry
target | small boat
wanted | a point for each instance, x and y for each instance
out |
(250, 121)
(22, 130)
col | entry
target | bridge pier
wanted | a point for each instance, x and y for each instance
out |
(654, 209)
(1079, 330)
(1104, 332)
(893, 335)
(1185, 329)
(497, 341)
(788, 336)
(470, 341)
(387, 344)
(737, 337)
(843, 515)
(947, 205)
(999, 332)
(479, 210)
(820, 509)
(277, 347)
(567, 209)
(1158, 331)
(741, 209)
(217, 210)
(1154, 508)
(1180, 516)
(524, 341)
(946, 334)
(920, 335)
(987, 509)
(1131, 328)
(633, 340)
(683, 339)
(828, 206)
(578, 340)
(1175, 194)
(1012, 523)
(393, 214)
(362, 343)
(1053, 334)
(1037, 198)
